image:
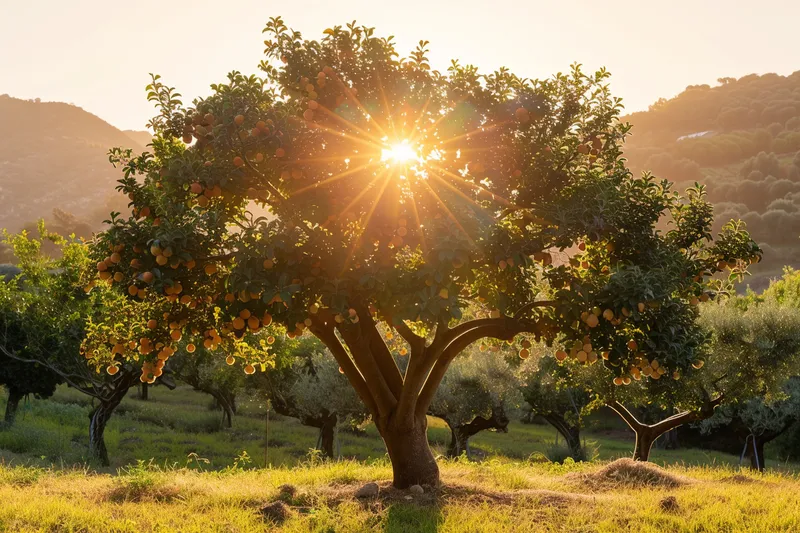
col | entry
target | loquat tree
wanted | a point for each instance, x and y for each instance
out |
(350, 190)
(752, 350)
(44, 314)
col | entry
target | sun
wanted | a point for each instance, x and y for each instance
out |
(398, 153)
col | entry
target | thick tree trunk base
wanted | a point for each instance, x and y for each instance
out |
(412, 459)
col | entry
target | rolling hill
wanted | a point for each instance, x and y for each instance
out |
(53, 157)
(741, 139)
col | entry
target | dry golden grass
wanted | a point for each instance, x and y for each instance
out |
(485, 497)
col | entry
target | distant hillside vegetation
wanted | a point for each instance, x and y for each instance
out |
(742, 139)
(53, 157)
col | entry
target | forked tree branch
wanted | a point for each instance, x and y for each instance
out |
(328, 337)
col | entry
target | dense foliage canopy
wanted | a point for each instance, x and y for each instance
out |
(357, 195)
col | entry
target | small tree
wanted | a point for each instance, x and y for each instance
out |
(752, 351)
(395, 194)
(308, 384)
(43, 323)
(23, 379)
(758, 421)
(206, 372)
(555, 393)
(476, 394)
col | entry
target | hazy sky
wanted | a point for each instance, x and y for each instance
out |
(97, 53)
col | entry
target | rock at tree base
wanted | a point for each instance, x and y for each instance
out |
(416, 489)
(370, 490)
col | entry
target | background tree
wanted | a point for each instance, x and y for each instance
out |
(206, 372)
(759, 420)
(399, 195)
(20, 379)
(307, 384)
(479, 392)
(44, 320)
(752, 352)
(559, 396)
(23, 379)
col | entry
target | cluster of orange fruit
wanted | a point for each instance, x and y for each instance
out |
(204, 195)
(581, 351)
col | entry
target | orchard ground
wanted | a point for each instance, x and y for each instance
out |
(474, 497)
(182, 427)
(44, 485)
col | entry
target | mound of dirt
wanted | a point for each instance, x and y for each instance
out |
(669, 504)
(630, 473)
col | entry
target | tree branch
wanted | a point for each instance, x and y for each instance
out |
(467, 333)
(328, 337)
(626, 415)
(380, 352)
(364, 359)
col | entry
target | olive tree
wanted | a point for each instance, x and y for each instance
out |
(350, 189)
(558, 395)
(477, 394)
(306, 383)
(759, 420)
(208, 373)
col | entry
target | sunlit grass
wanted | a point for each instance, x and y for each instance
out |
(174, 424)
(491, 496)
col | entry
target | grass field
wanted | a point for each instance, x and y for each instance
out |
(171, 425)
(491, 496)
(174, 469)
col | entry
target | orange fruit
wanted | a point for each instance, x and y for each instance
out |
(238, 120)
(152, 323)
(249, 370)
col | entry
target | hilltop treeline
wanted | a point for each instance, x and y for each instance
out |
(741, 139)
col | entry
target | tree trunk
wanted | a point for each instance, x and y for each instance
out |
(143, 392)
(327, 436)
(412, 460)
(459, 443)
(645, 437)
(646, 434)
(756, 451)
(14, 398)
(225, 404)
(98, 419)
(571, 434)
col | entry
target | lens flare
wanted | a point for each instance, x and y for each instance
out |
(398, 153)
